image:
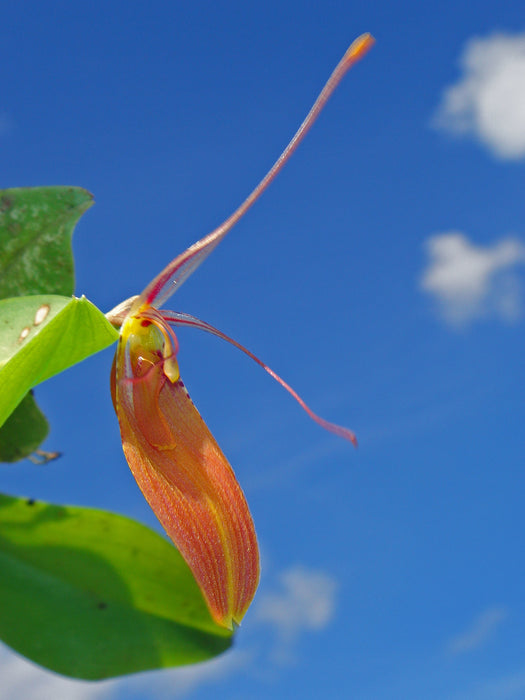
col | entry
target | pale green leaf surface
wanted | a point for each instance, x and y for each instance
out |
(32, 350)
(92, 594)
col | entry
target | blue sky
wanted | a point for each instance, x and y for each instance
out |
(382, 275)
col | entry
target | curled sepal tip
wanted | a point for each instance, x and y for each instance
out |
(359, 47)
(181, 470)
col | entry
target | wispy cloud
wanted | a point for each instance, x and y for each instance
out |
(470, 282)
(181, 682)
(305, 601)
(21, 679)
(510, 686)
(480, 630)
(488, 101)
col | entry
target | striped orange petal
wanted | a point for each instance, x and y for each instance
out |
(181, 470)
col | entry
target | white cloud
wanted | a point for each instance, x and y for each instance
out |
(479, 631)
(306, 601)
(469, 281)
(180, 682)
(22, 679)
(488, 101)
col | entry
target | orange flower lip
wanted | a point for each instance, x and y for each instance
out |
(182, 472)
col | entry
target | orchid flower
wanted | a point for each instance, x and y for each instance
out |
(175, 460)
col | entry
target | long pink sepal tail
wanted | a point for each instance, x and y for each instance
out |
(180, 318)
(170, 279)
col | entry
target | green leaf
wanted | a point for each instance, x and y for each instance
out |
(43, 335)
(36, 225)
(24, 430)
(91, 594)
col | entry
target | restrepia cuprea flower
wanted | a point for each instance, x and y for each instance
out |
(175, 460)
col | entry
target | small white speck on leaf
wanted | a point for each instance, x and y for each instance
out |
(23, 335)
(41, 314)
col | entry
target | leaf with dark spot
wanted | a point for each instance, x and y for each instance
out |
(60, 565)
